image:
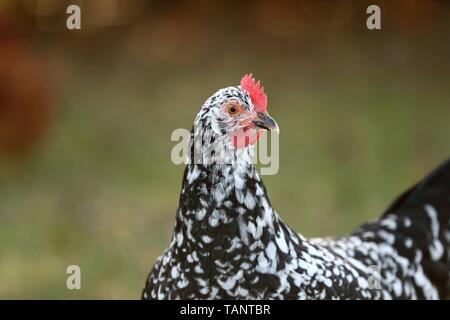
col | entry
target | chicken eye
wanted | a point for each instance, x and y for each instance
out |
(232, 109)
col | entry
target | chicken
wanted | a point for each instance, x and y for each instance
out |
(229, 243)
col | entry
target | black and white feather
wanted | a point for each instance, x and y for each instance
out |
(229, 243)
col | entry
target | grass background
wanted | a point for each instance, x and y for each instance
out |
(363, 115)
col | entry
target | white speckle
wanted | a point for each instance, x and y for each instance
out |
(251, 228)
(418, 257)
(228, 284)
(204, 290)
(241, 292)
(397, 286)
(271, 251)
(349, 278)
(311, 269)
(336, 271)
(328, 282)
(259, 228)
(160, 294)
(239, 182)
(432, 214)
(213, 293)
(362, 283)
(419, 278)
(200, 214)
(213, 219)
(245, 266)
(207, 239)
(408, 242)
(389, 223)
(179, 238)
(298, 280)
(436, 249)
(263, 264)
(250, 201)
(281, 242)
(228, 204)
(182, 283)
(219, 193)
(198, 269)
(194, 255)
(243, 230)
(174, 272)
(193, 174)
(239, 195)
(388, 237)
(259, 190)
(407, 222)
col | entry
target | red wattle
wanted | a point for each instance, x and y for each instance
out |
(243, 137)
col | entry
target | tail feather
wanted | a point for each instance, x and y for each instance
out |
(427, 206)
(435, 188)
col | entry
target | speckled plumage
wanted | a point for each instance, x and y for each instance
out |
(229, 243)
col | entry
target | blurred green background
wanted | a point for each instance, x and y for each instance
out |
(86, 118)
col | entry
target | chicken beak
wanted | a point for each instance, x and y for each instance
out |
(264, 121)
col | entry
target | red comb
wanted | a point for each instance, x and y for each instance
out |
(256, 92)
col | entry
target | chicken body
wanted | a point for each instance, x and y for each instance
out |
(229, 243)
